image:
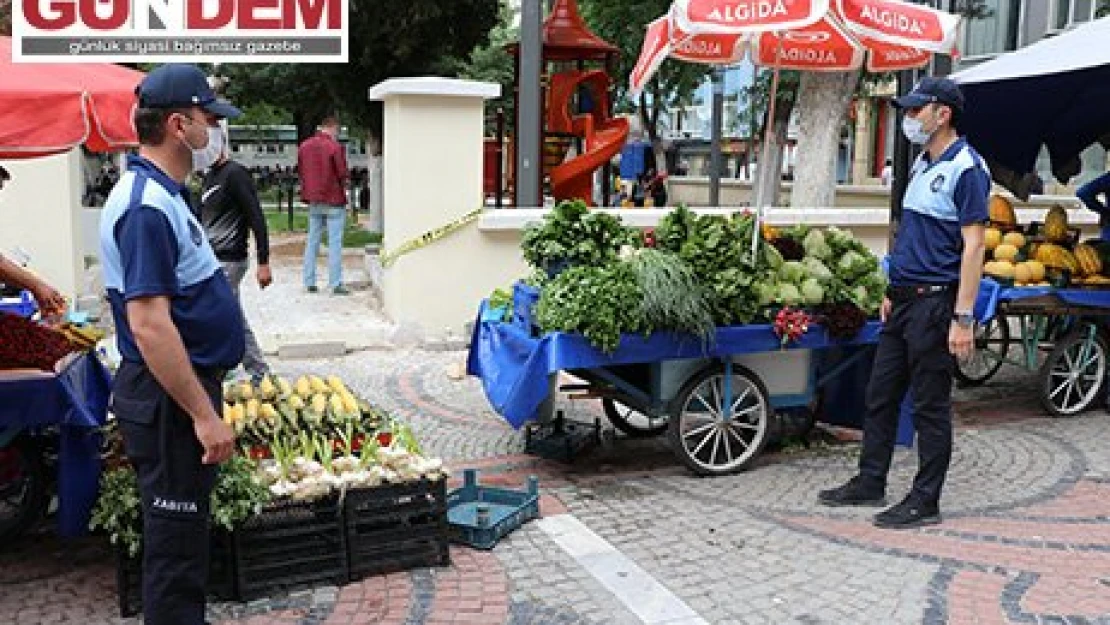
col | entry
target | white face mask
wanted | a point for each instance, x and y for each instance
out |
(207, 156)
(914, 129)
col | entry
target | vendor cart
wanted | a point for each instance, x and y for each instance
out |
(1060, 333)
(719, 402)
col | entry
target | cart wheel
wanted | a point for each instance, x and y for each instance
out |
(1074, 374)
(711, 438)
(992, 343)
(631, 421)
(24, 494)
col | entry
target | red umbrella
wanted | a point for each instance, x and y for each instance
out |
(53, 108)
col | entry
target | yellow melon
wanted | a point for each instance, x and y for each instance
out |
(1022, 273)
(1056, 224)
(992, 238)
(1000, 269)
(1006, 252)
(1036, 270)
(1002, 212)
(1015, 239)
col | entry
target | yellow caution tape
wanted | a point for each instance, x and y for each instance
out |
(429, 237)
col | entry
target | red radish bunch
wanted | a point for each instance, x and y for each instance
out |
(790, 324)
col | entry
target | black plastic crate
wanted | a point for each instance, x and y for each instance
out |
(396, 527)
(290, 544)
(221, 575)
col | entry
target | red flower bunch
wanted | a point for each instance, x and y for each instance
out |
(790, 325)
(649, 238)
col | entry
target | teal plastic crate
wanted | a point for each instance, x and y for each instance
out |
(480, 516)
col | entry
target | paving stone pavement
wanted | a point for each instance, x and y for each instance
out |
(1026, 535)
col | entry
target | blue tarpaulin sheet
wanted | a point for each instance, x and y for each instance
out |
(514, 365)
(76, 399)
(991, 294)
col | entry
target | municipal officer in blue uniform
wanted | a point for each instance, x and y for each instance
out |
(927, 315)
(179, 329)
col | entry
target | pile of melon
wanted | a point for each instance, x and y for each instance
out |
(1007, 251)
(1047, 258)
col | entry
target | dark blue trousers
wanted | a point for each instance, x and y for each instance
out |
(912, 355)
(175, 487)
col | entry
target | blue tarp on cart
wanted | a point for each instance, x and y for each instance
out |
(991, 293)
(514, 365)
(76, 400)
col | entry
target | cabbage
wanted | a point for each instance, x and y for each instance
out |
(854, 264)
(765, 292)
(816, 246)
(812, 292)
(789, 295)
(793, 271)
(772, 256)
(817, 269)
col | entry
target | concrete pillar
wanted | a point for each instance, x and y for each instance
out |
(861, 159)
(40, 213)
(432, 160)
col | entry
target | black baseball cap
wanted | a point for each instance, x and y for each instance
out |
(932, 89)
(179, 85)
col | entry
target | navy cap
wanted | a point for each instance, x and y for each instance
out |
(181, 86)
(930, 90)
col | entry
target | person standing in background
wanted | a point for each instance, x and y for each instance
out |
(229, 212)
(49, 300)
(322, 164)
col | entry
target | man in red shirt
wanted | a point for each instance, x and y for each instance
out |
(322, 163)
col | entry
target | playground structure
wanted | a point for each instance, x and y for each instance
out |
(578, 104)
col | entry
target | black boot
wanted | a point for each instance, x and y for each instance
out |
(855, 492)
(908, 514)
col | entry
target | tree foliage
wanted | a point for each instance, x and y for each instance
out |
(388, 38)
(491, 62)
(623, 24)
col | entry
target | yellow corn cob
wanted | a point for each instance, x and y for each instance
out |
(336, 384)
(285, 389)
(268, 412)
(252, 409)
(304, 389)
(237, 413)
(296, 403)
(246, 391)
(319, 403)
(336, 404)
(350, 405)
(229, 414)
(318, 385)
(267, 388)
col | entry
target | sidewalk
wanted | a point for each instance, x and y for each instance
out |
(293, 323)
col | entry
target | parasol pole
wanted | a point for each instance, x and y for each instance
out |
(767, 131)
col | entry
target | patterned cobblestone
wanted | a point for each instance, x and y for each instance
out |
(1026, 537)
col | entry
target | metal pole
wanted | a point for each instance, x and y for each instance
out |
(715, 160)
(529, 105)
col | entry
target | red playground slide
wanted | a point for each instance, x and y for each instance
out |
(602, 135)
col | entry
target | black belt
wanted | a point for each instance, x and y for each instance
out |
(902, 293)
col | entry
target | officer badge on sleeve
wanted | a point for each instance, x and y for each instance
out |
(195, 234)
(937, 183)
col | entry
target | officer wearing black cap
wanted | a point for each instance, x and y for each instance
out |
(934, 272)
(179, 329)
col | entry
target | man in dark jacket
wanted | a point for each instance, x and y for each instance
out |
(229, 211)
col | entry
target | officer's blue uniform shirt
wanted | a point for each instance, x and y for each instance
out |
(942, 197)
(152, 245)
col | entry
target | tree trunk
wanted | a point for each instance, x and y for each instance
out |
(823, 100)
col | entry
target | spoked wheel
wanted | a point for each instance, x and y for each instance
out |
(24, 494)
(721, 423)
(631, 421)
(992, 343)
(1073, 376)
